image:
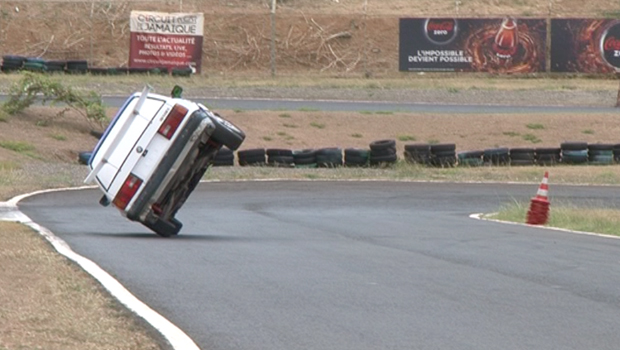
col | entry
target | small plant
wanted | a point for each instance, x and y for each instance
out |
(384, 112)
(531, 138)
(535, 126)
(34, 87)
(284, 115)
(366, 112)
(406, 138)
(267, 138)
(588, 132)
(317, 125)
(357, 135)
(453, 90)
(308, 109)
(59, 137)
(238, 110)
(286, 125)
(433, 142)
(511, 133)
(19, 147)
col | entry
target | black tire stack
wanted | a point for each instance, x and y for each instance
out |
(522, 156)
(330, 157)
(56, 66)
(443, 155)
(77, 66)
(383, 153)
(252, 157)
(12, 63)
(470, 158)
(35, 64)
(224, 157)
(305, 158)
(574, 152)
(496, 156)
(548, 155)
(279, 157)
(356, 157)
(418, 153)
(601, 154)
(617, 153)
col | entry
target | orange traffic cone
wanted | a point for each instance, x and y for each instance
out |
(539, 205)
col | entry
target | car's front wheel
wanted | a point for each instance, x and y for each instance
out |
(226, 133)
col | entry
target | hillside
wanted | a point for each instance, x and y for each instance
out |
(336, 37)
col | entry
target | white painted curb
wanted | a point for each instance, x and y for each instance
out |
(481, 216)
(175, 336)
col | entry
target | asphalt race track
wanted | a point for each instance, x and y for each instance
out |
(357, 265)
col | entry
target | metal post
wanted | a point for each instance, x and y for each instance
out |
(273, 38)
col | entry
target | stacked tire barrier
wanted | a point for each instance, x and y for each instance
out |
(383, 153)
(12, 63)
(443, 155)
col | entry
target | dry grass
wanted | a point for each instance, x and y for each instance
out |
(50, 303)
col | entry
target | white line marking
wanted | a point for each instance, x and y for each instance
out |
(174, 335)
(481, 216)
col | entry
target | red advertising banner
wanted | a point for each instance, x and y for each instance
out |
(585, 45)
(498, 45)
(171, 40)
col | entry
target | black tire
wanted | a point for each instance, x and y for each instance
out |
(279, 152)
(443, 147)
(286, 161)
(253, 152)
(226, 133)
(84, 157)
(382, 145)
(444, 154)
(252, 161)
(600, 147)
(96, 134)
(574, 146)
(330, 157)
(382, 152)
(443, 162)
(422, 148)
(385, 159)
(471, 155)
(165, 228)
(352, 161)
(304, 157)
(523, 156)
(356, 152)
(224, 162)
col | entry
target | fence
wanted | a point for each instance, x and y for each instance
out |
(339, 36)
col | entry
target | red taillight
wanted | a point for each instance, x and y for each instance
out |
(127, 191)
(172, 122)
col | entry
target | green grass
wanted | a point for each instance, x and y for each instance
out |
(317, 125)
(567, 216)
(433, 142)
(365, 112)
(511, 133)
(588, 132)
(308, 109)
(357, 135)
(287, 125)
(284, 115)
(59, 137)
(384, 112)
(531, 138)
(19, 147)
(453, 90)
(267, 138)
(535, 126)
(406, 138)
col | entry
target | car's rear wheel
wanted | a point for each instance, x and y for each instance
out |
(226, 133)
(165, 228)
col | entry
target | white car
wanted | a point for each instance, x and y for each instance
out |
(154, 153)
